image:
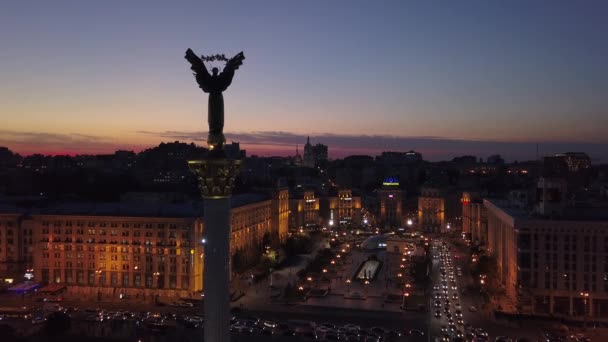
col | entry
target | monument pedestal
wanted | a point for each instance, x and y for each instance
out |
(216, 176)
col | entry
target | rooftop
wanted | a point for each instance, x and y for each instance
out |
(131, 209)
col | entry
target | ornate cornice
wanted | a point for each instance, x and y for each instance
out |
(215, 176)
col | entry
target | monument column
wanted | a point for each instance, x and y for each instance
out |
(216, 175)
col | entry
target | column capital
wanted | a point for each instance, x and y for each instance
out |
(215, 176)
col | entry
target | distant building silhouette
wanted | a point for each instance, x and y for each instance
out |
(316, 155)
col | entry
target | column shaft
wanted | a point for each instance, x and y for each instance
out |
(216, 269)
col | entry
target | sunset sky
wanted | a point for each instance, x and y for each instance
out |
(443, 78)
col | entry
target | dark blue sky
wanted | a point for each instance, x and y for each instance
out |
(507, 71)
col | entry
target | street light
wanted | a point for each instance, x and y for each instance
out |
(405, 295)
(348, 285)
(585, 295)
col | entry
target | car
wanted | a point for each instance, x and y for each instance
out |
(472, 309)
(328, 325)
(377, 330)
(444, 329)
(415, 332)
(308, 335)
(266, 331)
(481, 332)
(270, 324)
(288, 332)
(437, 314)
(392, 333)
(38, 320)
(352, 327)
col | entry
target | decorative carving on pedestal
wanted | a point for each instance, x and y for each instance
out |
(215, 176)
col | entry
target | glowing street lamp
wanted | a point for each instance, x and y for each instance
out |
(585, 295)
(325, 270)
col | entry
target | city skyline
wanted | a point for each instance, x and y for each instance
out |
(476, 78)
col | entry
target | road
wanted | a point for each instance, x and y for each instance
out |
(479, 318)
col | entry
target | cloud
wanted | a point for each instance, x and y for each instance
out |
(432, 148)
(56, 143)
(284, 143)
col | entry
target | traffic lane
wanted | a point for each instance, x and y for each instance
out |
(479, 318)
(436, 323)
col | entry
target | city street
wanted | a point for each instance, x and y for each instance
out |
(473, 316)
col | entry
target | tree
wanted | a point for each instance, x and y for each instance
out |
(298, 244)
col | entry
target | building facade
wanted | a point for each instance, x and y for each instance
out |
(549, 265)
(16, 246)
(280, 213)
(144, 250)
(390, 198)
(305, 210)
(431, 211)
(474, 220)
(344, 208)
